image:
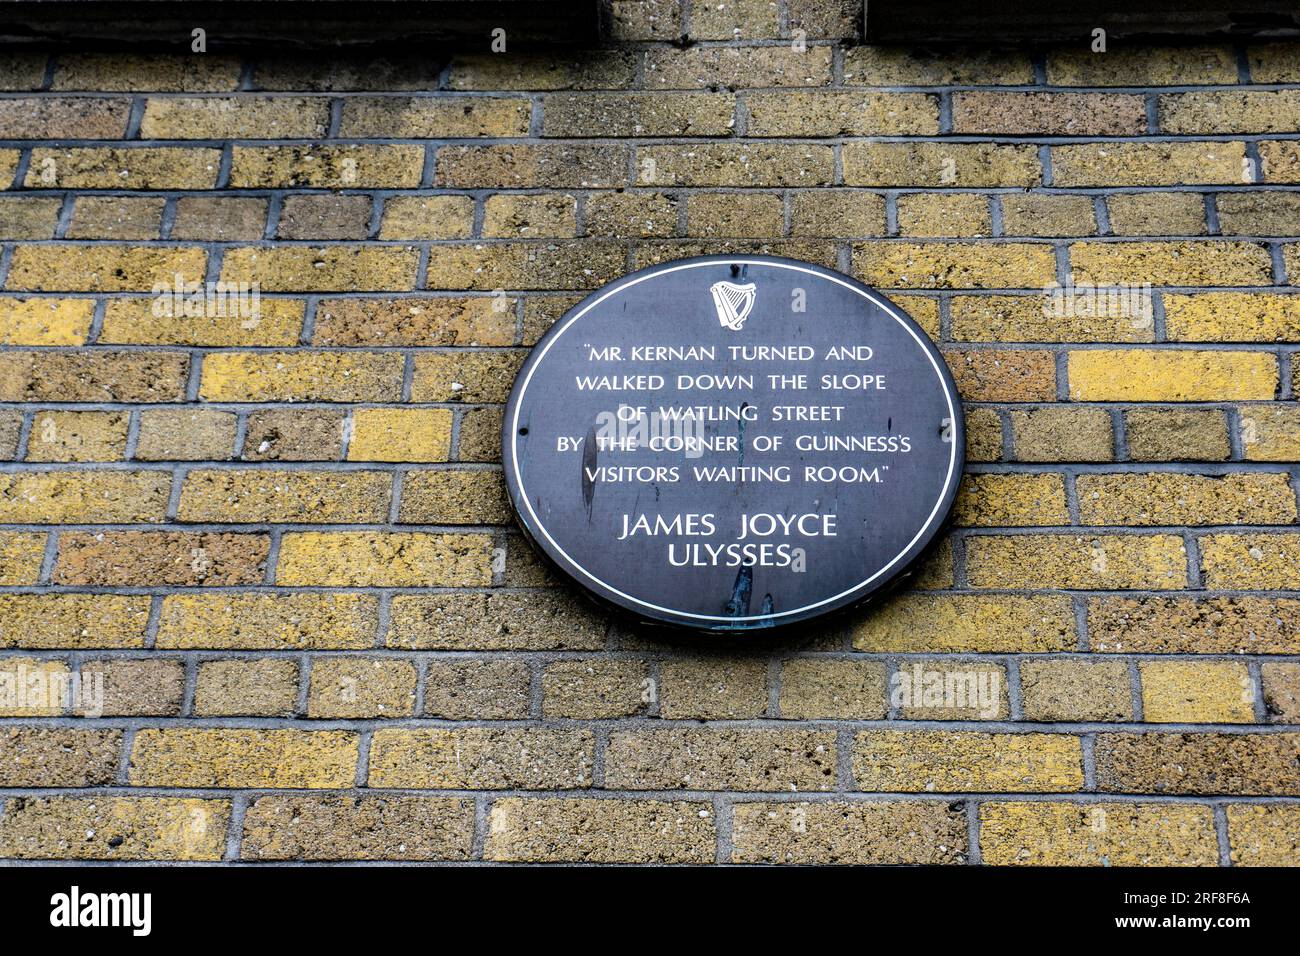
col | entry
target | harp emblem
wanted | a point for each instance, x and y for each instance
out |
(733, 303)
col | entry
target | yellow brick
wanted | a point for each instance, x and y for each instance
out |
(876, 65)
(1075, 690)
(528, 216)
(453, 117)
(8, 166)
(302, 376)
(842, 113)
(323, 268)
(599, 831)
(77, 436)
(1230, 111)
(139, 72)
(361, 687)
(1174, 499)
(1279, 161)
(983, 434)
(1171, 375)
(1270, 433)
(959, 165)
(1035, 318)
(428, 217)
(457, 496)
(1062, 433)
(1264, 834)
(99, 167)
(1251, 561)
(45, 321)
(1100, 834)
(235, 757)
(1142, 66)
(954, 265)
(115, 828)
(235, 117)
(1171, 263)
(480, 376)
(259, 621)
(957, 623)
(371, 559)
(1149, 164)
(148, 322)
(735, 214)
(944, 214)
(225, 495)
(21, 554)
(33, 687)
(947, 762)
(1196, 692)
(67, 267)
(1011, 500)
(481, 758)
(584, 264)
(1233, 317)
(83, 497)
(400, 434)
(735, 164)
(396, 166)
(40, 621)
(1083, 562)
(1156, 214)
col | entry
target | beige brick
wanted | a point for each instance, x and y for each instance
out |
(176, 558)
(1174, 499)
(58, 757)
(400, 434)
(64, 117)
(389, 166)
(77, 436)
(1037, 214)
(457, 320)
(31, 687)
(646, 19)
(534, 620)
(954, 265)
(83, 497)
(940, 214)
(120, 72)
(816, 689)
(1230, 111)
(103, 375)
(1054, 114)
(477, 689)
(302, 376)
(1045, 318)
(842, 113)
(470, 377)
(295, 434)
(631, 215)
(1200, 763)
(699, 67)
(427, 217)
(114, 828)
(1011, 501)
(359, 687)
(735, 214)
(1069, 690)
(1011, 375)
(855, 833)
(967, 623)
(638, 114)
(878, 65)
(714, 759)
(113, 167)
(132, 687)
(1232, 317)
(453, 117)
(1098, 834)
(266, 687)
(713, 688)
(580, 264)
(1247, 561)
(454, 497)
(324, 216)
(528, 216)
(1264, 834)
(524, 830)
(1171, 375)
(1279, 162)
(116, 217)
(593, 689)
(735, 164)
(68, 267)
(950, 690)
(235, 117)
(387, 827)
(1173, 434)
(1148, 164)
(60, 621)
(481, 758)
(1259, 214)
(185, 434)
(1156, 214)
(1270, 433)
(376, 559)
(24, 217)
(522, 165)
(258, 495)
(962, 165)
(952, 762)
(832, 213)
(1190, 692)
(736, 20)
(1142, 66)
(219, 218)
(240, 758)
(1083, 562)
(231, 620)
(1215, 625)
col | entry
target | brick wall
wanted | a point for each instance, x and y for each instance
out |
(282, 541)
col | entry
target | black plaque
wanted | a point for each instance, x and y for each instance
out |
(732, 442)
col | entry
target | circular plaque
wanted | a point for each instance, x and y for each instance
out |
(731, 442)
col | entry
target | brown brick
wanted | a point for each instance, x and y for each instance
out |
(134, 687)
(1042, 318)
(189, 434)
(456, 117)
(1280, 684)
(1175, 434)
(599, 831)
(834, 19)
(1258, 214)
(387, 827)
(116, 217)
(219, 218)
(1148, 164)
(1142, 66)
(638, 114)
(631, 215)
(459, 320)
(532, 620)
(77, 436)
(944, 214)
(259, 621)
(528, 216)
(1273, 62)
(73, 620)
(1036, 214)
(1156, 214)
(987, 375)
(876, 65)
(1230, 111)
(856, 833)
(983, 434)
(23, 217)
(236, 757)
(604, 70)
(954, 265)
(388, 166)
(1054, 114)
(516, 165)
(1099, 834)
(654, 253)
(83, 497)
(735, 164)
(23, 71)
(480, 435)
(101, 268)
(646, 19)
(735, 214)
(580, 264)
(1188, 692)
(713, 688)
(114, 828)
(325, 216)
(963, 165)
(470, 377)
(951, 762)
(136, 167)
(477, 689)
(1083, 562)
(266, 687)
(925, 623)
(176, 558)
(1263, 834)
(593, 689)
(359, 687)
(710, 67)
(454, 497)
(739, 19)
(345, 72)
(832, 213)
(1215, 625)
(842, 113)
(1263, 561)
(64, 117)
(816, 689)
(1203, 763)
(377, 559)
(1069, 690)
(302, 376)
(481, 758)
(58, 757)
(140, 72)
(711, 759)
(294, 434)
(255, 496)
